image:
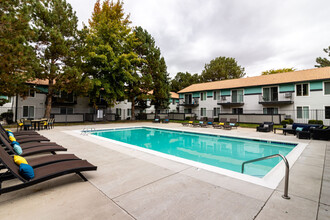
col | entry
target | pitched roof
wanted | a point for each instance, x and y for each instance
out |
(174, 95)
(279, 78)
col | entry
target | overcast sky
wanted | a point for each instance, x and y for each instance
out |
(259, 34)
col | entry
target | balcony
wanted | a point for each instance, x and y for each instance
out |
(281, 99)
(193, 102)
(101, 103)
(231, 101)
(64, 100)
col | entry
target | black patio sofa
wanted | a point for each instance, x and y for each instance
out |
(321, 133)
(265, 127)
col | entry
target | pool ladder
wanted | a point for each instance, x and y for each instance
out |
(86, 130)
(286, 184)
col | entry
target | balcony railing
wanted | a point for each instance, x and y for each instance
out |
(64, 100)
(231, 100)
(281, 99)
(189, 102)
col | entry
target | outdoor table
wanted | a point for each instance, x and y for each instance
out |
(36, 122)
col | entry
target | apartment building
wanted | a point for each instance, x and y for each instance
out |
(68, 107)
(300, 95)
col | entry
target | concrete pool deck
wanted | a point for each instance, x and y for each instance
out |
(131, 184)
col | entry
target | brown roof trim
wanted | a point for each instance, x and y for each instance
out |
(274, 79)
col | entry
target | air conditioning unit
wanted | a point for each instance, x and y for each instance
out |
(223, 98)
(288, 95)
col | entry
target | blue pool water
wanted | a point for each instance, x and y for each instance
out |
(224, 152)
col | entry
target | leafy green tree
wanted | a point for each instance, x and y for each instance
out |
(17, 58)
(222, 68)
(58, 48)
(183, 80)
(323, 62)
(111, 61)
(272, 71)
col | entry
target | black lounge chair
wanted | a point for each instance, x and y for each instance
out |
(265, 127)
(24, 138)
(41, 173)
(37, 144)
(221, 123)
(156, 120)
(233, 123)
(32, 150)
(166, 120)
(49, 159)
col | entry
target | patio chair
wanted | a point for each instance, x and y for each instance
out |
(41, 173)
(19, 124)
(265, 127)
(27, 124)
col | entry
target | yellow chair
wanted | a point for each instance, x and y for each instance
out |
(19, 124)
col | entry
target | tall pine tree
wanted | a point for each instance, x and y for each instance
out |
(58, 48)
(17, 58)
(153, 69)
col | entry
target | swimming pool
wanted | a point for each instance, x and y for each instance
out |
(215, 150)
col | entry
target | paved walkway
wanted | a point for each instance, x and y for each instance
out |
(130, 184)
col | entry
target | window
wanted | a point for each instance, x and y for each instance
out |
(203, 96)
(66, 110)
(237, 111)
(302, 89)
(216, 95)
(216, 111)
(327, 112)
(303, 112)
(187, 111)
(129, 112)
(118, 111)
(270, 94)
(270, 111)
(28, 111)
(237, 96)
(99, 113)
(188, 99)
(326, 88)
(203, 111)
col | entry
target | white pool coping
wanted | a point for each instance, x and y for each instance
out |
(271, 180)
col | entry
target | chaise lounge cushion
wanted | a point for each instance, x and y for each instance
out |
(26, 171)
(19, 160)
(18, 150)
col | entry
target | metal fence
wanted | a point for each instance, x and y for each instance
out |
(72, 114)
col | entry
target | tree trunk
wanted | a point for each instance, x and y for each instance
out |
(133, 110)
(49, 99)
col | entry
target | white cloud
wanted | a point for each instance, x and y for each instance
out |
(260, 34)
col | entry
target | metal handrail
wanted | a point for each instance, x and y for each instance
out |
(286, 185)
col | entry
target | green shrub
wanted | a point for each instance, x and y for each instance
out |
(8, 116)
(287, 121)
(317, 122)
